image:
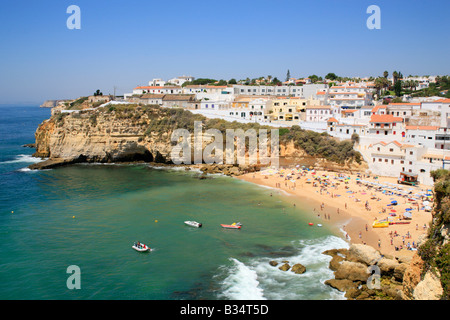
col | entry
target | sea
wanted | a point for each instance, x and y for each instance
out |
(86, 217)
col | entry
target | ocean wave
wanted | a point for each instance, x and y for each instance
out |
(257, 279)
(241, 283)
(26, 169)
(23, 158)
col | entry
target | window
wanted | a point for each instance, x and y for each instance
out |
(392, 161)
(385, 160)
(391, 150)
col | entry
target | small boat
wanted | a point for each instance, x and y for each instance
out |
(140, 247)
(232, 226)
(311, 224)
(193, 224)
(319, 225)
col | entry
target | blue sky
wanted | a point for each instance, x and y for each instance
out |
(127, 43)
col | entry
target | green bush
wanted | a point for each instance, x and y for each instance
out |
(322, 145)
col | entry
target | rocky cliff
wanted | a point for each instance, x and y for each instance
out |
(52, 103)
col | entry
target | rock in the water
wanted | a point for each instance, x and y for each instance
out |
(298, 268)
(285, 267)
(273, 263)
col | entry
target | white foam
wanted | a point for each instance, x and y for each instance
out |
(242, 283)
(25, 158)
(257, 279)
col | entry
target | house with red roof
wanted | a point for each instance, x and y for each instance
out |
(386, 125)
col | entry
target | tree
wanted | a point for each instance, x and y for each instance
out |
(275, 81)
(232, 81)
(98, 93)
(288, 75)
(398, 88)
(385, 74)
(331, 76)
(380, 84)
(314, 78)
(395, 76)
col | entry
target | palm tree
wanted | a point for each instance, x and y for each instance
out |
(385, 74)
(395, 76)
(378, 86)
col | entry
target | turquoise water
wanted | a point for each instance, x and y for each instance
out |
(90, 215)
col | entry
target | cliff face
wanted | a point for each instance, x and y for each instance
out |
(100, 136)
(117, 133)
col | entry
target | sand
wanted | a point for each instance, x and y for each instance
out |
(337, 206)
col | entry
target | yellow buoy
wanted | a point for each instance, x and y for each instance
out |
(73, 217)
(12, 211)
(156, 220)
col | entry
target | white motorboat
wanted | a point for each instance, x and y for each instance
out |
(193, 224)
(140, 247)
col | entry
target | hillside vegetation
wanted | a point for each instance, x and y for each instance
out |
(435, 252)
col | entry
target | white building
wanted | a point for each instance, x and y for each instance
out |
(306, 91)
(157, 90)
(318, 113)
(157, 83)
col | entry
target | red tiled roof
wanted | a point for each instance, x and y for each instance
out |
(385, 118)
(375, 109)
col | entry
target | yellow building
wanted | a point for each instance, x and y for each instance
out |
(289, 108)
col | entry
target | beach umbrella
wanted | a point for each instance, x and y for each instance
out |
(408, 209)
(393, 210)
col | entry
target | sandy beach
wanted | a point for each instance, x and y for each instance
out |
(353, 202)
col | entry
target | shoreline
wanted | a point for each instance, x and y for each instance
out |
(336, 207)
